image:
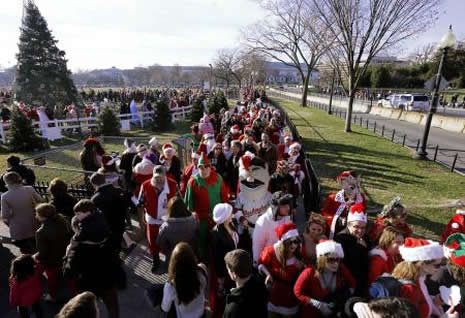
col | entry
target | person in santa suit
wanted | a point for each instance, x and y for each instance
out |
(455, 225)
(323, 289)
(385, 256)
(355, 244)
(394, 214)
(313, 233)
(420, 258)
(153, 199)
(281, 264)
(235, 132)
(278, 213)
(283, 149)
(171, 162)
(298, 176)
(143, 171)
(189, 171)
(294, 156)
(337, 205)
(204, 191)
(451, 277)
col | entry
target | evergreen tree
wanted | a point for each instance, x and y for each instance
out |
(216, 102)
(108, 123)
(161, 115)
(42, 77)
(197, 109)
(21, 134)
(380, 77)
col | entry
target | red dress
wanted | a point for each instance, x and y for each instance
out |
(27, 292)
(380, 262)
(281, 298)
(308, 286)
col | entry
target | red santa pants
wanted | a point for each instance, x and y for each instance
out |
(151, 230)
(53, 277)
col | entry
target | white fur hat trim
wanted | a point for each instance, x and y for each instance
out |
(329, 247)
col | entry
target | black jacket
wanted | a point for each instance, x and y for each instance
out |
(355, 259)
(249, 300)
(28, 176)
(64, 205)
(219, 163)
(111, 202)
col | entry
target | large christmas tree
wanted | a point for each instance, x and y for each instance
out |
(42, 77)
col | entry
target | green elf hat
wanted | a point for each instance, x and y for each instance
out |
(454, 249)
(203, 161)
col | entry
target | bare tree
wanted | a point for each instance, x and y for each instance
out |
(226, 66)
(290, 34)
(423, 54)
(360, 29)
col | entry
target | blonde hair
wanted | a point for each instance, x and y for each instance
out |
(407, 270)
(283, 254)
(388, 236)
(321, 264)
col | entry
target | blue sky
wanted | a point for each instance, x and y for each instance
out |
(122, 33)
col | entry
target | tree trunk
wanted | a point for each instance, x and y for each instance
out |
(305, 90)
(349, 107)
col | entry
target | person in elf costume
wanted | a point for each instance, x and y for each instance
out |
(456, 224)
(447, 286)
(337, 205)
(394, 214)
(204, 191)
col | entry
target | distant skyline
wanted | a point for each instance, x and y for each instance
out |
(101, 34)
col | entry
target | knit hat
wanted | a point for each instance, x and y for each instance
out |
(357, 213)
(221, 212)
(108, 160)
(286, 231)
(329, 246)
(203, 161)
(153, 141)
(415, 250)
(454, 249)
(167, 148)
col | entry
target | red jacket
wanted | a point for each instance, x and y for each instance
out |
(380, 262)
(186, 175)
(283, 280)
(414, 294)
(151, 196)
(308, 287)
(27, 292)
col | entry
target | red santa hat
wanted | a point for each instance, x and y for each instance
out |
(286, 231)
(357, 213)
(246, 159)
(108, 160)
(202, 148)
(167, 148)
(329, 246)
(89, 141)
(454, 249)
(455, 225)
(415, 250)
(346, 174)
(296, 146)
(288, 138)
(236, 129)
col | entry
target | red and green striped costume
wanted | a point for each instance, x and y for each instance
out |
(201, 197)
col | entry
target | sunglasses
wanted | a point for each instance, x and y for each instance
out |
(333, 260)
(436, 265)
(295, 242)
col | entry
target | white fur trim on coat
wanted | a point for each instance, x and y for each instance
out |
(378, 252)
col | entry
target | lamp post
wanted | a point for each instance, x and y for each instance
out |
(447, 42)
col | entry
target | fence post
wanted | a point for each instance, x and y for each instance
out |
(436, 153)
(382, 131)
(393, 135)
(374, 128)
(453, 163)
(418, 143)
(403, 140)
(367, 123)
(361, 121)
(355, 119)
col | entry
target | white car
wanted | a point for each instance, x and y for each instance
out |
(410, 102)
(385, 102)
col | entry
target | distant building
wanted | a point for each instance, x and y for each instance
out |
(387, 60)
(280, 73)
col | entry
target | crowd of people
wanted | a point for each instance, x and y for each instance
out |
(224, 229)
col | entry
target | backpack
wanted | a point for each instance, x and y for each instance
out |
(387, 286)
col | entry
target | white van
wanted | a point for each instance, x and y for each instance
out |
(410, 102)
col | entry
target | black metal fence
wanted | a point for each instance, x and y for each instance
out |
(453, 160)
(77, 191)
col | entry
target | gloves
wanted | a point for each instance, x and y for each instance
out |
(323, 307)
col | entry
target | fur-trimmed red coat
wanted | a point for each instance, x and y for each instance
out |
(308, 286)
(380, 262)
(415, 295)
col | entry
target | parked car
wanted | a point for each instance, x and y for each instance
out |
(385, 102)
(410, 102)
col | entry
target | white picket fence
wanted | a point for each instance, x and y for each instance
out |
(58, 125)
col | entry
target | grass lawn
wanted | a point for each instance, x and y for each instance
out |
(387, 169)
(68, 157)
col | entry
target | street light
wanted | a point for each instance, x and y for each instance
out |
(447, 42)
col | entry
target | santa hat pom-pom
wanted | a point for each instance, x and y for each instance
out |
(455, 225)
